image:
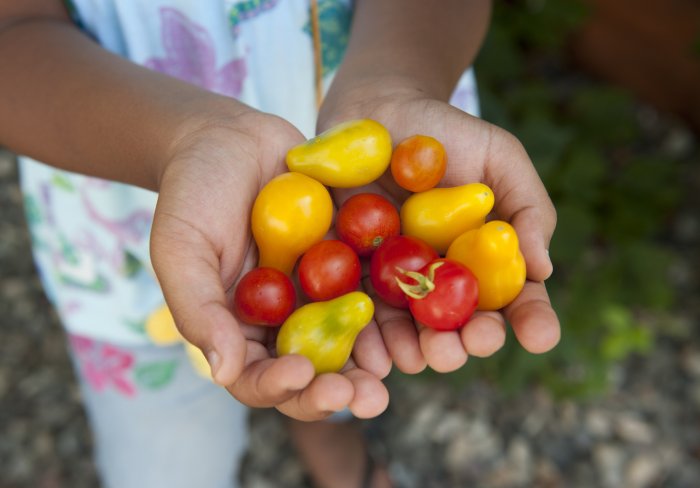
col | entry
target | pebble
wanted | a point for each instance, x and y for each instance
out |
(690, 361)
(631, 428)
(609, 460)
(643, 471)
(598, 423)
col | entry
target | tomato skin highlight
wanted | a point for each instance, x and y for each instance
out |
(447, 298)
(264, 296)
(365, 220)
(393, 255)
(328, 270)
(418, 163)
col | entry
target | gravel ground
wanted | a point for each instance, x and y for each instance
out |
(644, 433)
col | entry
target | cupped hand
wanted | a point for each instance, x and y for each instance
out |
(477, 152)
(201, 245)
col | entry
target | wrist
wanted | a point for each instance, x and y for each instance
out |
(202, 118)
(367, 97)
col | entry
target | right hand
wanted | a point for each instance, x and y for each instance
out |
(201, 245)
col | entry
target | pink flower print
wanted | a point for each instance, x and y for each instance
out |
(103, 365)
(190, 56)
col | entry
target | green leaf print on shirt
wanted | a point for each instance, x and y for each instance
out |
(136, 326)
(32, 212)
(78, 270)
(154, 375)
(247, 9)
(334, 18)
(132, 266)
(61, 181)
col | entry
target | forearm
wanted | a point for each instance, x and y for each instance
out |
(66, 101)
(400, 45)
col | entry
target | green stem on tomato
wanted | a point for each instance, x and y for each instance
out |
(425, 282)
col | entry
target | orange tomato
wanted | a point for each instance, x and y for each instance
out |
(418, 163)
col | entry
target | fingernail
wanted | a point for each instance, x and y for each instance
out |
(214, 361)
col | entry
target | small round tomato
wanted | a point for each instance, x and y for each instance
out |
(329, 269)
(264, 296)
(395, 255)
(365, 220)
(442, 295)
(418, 163)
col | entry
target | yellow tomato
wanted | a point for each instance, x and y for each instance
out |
(350, 154)
(290, 214)
(325, 332)
(492, 253)
(439, 215)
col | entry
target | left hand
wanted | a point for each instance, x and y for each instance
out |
(477, 151)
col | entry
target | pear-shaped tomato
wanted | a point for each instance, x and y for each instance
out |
(325, 332)
(492, 253)
(439, 215)
(350, 154)
(291, 213)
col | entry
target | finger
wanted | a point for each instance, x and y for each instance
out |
(400, 337)
(371, 397)
(484, 334)
(188, 272)
(443, 350)
(533, 320)
(268, 382)
(370, 352)
(326, 394)
(521, 199)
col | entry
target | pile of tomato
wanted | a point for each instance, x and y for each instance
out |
(436, 255)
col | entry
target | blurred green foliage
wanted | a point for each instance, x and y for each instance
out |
(613, 191)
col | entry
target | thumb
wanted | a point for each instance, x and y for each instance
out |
(190, 278)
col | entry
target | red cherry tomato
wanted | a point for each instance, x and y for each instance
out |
(394, 255)
(329, 269)
(264, 296)
(442, 295)
(418, 163)
(365, 220)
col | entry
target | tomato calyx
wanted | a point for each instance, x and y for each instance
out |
(425, 283)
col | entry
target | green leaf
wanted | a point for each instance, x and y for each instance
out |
(545, 142)
(573, 235)
(155, 375)
(132, 265)
(60, 180)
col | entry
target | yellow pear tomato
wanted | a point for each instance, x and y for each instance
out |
(350, 154)
(325, 332)
(492, 253)
(290, 214)
(439, 215)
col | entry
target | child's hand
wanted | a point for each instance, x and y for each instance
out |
(201, 245)
(477, 152)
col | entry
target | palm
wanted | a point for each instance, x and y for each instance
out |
(477, 151)
(201, 245)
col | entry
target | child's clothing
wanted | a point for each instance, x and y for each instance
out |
(156, 422)
(90, 236)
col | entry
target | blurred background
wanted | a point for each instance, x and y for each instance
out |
(606, 98)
